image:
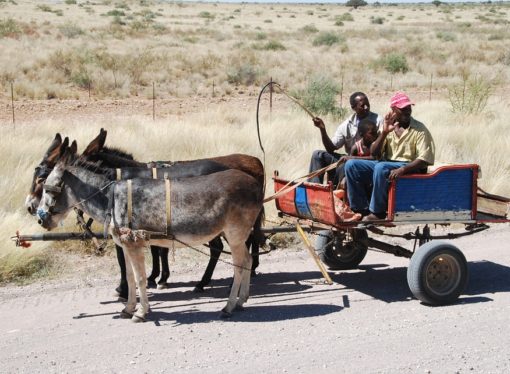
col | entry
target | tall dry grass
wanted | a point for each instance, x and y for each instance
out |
(122, 47)
(288, 138)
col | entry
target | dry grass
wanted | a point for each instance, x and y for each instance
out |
(122, 47)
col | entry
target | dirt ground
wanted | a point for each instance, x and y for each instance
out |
(366, 322)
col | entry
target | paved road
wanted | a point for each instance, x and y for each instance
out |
(367, 322)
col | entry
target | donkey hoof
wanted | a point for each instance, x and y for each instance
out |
(151, 283)
(122, 299)
(239, 308)
(163, 286)
(137, 318)
(126, 315)
(224, 314)
(198, 289)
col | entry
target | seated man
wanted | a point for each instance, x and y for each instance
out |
(403, 146)
(345, 136)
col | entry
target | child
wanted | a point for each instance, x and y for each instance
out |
(361, 149)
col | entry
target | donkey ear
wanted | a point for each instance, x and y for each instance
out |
(96, 145)
(64, 146)
(55, 144)
(74, 147)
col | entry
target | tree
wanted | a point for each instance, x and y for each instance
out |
(436, 2)
(356, 3)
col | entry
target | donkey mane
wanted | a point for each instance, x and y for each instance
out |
(114, 151)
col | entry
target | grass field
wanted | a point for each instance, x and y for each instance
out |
(457, 54)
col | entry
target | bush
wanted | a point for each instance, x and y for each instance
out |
(377, 20)
(319, 96)
(446, 36)
(346, 17)
(310, 29)
(70, 30)
(206, 15)
(356, 3)
(394, 63)
(327, 38)
(245, 74)
(274, 45)
(471, 95)
(9, 28)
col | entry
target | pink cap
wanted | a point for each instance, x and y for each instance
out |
(400, 100)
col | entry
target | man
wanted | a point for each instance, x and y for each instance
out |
(345, 136)
(404, 146)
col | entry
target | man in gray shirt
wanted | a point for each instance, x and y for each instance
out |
(345, 136)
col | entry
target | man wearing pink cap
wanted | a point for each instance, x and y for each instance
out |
(403, 146)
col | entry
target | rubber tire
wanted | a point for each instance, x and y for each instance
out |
(419, 277)
(325, 250)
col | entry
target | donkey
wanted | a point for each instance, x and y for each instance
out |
(96, 151)
(115, 158)
(188, 211)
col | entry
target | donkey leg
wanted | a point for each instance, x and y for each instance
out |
(244, 291)
(215, 248)
(165, 269)
(253, 244)
(122, 289)
(128, 311)
(151, 280)
(138, 264)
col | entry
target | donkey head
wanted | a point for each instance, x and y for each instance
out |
(42, 171)
(54, 206)
(109, 157)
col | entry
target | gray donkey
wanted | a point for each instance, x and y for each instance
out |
(186, 211)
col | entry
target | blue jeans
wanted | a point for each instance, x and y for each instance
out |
(367, 184)
(322, 159)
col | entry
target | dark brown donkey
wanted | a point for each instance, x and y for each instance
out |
(116, 158)
(187, 211)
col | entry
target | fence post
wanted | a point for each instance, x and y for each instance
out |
(153, 102)
(391, 82)
(89, 88)
(430, 88)
(213, 93)
(12, 103)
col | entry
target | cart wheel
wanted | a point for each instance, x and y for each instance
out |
(437, 273)
(341, 250)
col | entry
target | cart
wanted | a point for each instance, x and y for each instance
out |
(448, 194)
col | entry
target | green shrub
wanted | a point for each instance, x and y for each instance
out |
(70, 2)
(261, 36)
(9, 28)
(327, 38)
(377, 20)
(309, 29)
(394, 63)
(446, 36)
(81, 79)
(116, 13)
(346, 17)
(206, 15)
(319, 96)
(70, 30)
(339, 23)
(274, 45)
(245, 74)
(471, 95)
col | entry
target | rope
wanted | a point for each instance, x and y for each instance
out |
(299, 181)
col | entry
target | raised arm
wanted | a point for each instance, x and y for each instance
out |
(326, 141)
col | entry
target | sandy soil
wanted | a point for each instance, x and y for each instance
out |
(367, 322)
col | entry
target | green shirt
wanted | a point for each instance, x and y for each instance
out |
(415, 143)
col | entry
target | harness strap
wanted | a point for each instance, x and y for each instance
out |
(51, 188)
(119, 174)
(168, 207)
(129, 202)
(154, 173)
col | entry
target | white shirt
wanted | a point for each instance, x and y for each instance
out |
(347, 132)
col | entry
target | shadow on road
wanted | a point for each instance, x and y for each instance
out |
(252, 313)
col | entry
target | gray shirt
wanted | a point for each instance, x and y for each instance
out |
(347, 132)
